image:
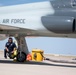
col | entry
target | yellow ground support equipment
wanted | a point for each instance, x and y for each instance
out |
(37, 55)
(14, 54)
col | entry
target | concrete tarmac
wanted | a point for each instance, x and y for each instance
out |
(9, 67)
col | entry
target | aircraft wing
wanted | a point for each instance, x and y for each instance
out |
(6, 30)
(12, 29)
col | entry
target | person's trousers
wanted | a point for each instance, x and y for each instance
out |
(5, 53)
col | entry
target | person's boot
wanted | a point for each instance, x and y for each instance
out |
(5, 57)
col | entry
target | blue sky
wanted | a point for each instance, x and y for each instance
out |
(50, 45)
(14, 2)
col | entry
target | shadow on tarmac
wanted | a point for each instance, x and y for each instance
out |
(36, 63)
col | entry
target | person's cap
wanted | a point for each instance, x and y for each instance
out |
(10, 38)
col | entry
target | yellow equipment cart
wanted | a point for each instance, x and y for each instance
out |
(37, 55)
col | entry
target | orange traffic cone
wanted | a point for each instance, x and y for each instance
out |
(29, 57)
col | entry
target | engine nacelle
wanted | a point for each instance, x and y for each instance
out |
(59, 24)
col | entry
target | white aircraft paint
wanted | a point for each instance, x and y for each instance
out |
(31, 12)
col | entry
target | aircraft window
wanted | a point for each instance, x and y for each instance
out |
(74, 3)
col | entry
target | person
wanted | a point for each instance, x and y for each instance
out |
(9, 47)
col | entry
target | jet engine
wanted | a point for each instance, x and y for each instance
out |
(59, 24)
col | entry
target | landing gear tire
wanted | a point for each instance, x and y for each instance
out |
(21, 57)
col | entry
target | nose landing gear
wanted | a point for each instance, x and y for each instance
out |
(22, 49)
(21, 57)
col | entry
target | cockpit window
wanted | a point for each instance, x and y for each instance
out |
(73, 2)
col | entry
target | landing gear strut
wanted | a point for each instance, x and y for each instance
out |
(22, 49)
